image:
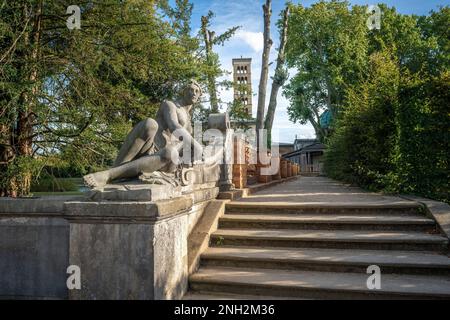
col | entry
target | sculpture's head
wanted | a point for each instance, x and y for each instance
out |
(192, 93)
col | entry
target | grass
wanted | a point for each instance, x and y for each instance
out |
(57, 186)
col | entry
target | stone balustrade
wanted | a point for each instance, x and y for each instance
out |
(244, 170)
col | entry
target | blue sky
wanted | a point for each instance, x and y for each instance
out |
(248, 43)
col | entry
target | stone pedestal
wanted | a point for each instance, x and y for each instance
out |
(134, 191)
(262, 178)
(129, 250)
(289, 169)
(277, 176)
(124, 249)
(240, 175)
(283, 168)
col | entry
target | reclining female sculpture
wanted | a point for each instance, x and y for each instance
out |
(151, 145)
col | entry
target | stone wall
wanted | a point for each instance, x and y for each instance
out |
(125, 250)
(34, 248)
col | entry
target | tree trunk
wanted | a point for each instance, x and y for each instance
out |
(278, 79)
(315, 121)
(6, 157)
(208, 37)
(20, 183)
(267, 9)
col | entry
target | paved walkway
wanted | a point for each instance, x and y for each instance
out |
(318, 190)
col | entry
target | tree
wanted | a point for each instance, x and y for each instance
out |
(280, 75)
(267, 10)
(239, 114)
(74, 94)
(391, 132)
(361, 146)
(212, 61)
(327, 45)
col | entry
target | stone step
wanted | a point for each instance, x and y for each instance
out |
(335, 260)
(397, 207)
(326, 221)
(205, 295)
(355, 239)
(317, 285)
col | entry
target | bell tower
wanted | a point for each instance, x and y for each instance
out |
(242, 76)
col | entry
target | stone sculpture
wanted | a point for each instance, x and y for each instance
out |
(151, 153)
(151, 146)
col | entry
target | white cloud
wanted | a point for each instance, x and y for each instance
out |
(254, 39)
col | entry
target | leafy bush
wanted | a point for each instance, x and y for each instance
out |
(51, 184)
(421, 156)
(393, 133)
(359, 150)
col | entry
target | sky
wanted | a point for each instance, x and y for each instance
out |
(248, 43)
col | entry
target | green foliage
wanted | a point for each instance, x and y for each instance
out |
(359, 150)
(327, 45)
(393, 129)
(422, 148)
(16, 175)
(212, 69)
(51, 184)
(239, 115)
(74, 94)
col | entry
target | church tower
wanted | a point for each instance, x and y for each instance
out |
(242, 76)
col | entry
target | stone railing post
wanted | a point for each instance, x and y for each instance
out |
(277, 161)
(263, 178)
(289, 169)
(240, 164)
(283, 168)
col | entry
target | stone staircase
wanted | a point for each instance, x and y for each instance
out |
(322, 251)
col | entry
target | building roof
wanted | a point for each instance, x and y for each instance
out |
(241, 60)
(310, 148)
(305, 140)
(283, 144)
(314, 147)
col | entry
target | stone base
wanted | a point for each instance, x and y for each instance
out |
(264, 179)
(276, 176)
(134, 191)
(127, 258)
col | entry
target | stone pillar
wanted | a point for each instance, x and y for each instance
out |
(289, 169)
(277, 176)
(261, 177)
(129, 250)
(226, 168)
(239, 164)
(263, 170)
(283, 168)
(240, 175)
(221, 122)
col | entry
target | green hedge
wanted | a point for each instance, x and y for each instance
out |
(395, 139)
